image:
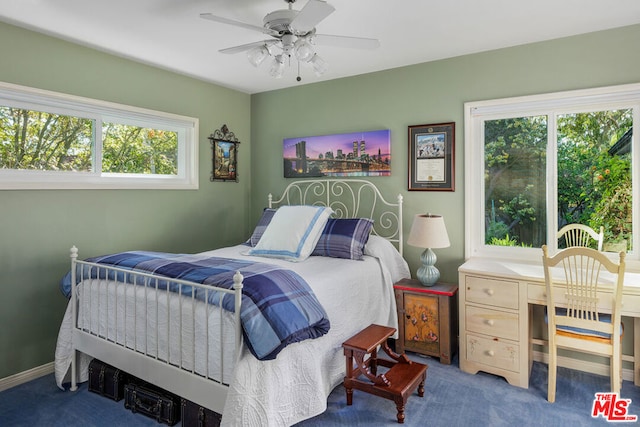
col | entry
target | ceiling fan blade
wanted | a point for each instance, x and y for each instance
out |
(248, 46)
(215, 18)
(310, 15)
(346, 41)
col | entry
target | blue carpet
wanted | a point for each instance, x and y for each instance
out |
(455, 398)
(452, 398)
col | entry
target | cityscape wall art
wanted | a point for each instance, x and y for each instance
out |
(345, 154)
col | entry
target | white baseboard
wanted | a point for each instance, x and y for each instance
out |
(582, 365)
(26, 376)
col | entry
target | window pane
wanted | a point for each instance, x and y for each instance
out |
(594, 173)
(36, 140)
(515, 181)
(132, 149)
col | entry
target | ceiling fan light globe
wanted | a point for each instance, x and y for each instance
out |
(303, 50)
(319, 65)
(256, 56)
(277, 67)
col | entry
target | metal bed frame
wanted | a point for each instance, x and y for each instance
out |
(349, 198)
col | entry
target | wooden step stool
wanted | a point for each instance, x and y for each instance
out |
(402, 378)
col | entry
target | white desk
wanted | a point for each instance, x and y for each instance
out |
(496, 298)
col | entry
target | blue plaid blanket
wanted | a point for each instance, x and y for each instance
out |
(278, 306)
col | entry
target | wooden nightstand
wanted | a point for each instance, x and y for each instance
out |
(427, 319)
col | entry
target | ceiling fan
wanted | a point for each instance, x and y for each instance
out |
(293, 35)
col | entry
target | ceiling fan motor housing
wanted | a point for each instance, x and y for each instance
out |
(280, 21)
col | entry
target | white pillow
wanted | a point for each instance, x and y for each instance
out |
(384, 250)
(292, 233)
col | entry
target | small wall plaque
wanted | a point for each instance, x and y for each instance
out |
(224, 145)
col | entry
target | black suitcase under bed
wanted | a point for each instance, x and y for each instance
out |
(147, 399)
(106, 380)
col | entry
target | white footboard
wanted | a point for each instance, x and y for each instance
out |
(181, 340)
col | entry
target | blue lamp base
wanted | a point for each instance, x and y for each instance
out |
(428, 274)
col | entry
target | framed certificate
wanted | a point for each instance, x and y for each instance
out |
(431, 157)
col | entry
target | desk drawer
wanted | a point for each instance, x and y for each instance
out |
(537, 294)
(498, 293)
(493, 352)
(495, 323)
(631, 305)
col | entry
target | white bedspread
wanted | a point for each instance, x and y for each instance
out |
(295, 385)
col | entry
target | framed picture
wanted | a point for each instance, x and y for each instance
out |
(224, 145)
(431, 157)
(346, 154)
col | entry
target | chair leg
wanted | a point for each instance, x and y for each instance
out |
(620, 370)
(616, 374)
(553, 367)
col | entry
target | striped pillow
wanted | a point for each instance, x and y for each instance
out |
(265, 219)
(344, 238)
(606, 318)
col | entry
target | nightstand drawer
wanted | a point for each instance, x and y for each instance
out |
(495, 323)
(498, 293)
(495, 353)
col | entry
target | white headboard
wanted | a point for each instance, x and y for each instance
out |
(349, 198)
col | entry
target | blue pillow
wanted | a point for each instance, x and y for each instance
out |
(344, 238)
(265, 219)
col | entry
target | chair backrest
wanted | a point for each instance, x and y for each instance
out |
(580, 235)
(583, 272)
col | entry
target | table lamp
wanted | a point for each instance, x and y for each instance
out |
(428, 231)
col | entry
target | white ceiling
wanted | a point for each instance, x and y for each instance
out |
(171, 35)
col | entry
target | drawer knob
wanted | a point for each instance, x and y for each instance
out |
(490, 322)
(490, 353)
(489, 292)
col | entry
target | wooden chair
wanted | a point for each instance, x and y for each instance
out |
(580, 235)
(573, 318)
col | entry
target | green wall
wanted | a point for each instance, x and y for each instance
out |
(37, 228)
(432, 92)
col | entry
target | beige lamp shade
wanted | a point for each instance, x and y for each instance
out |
(428, 231)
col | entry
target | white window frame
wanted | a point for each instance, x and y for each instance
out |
(551, 105)
(102, 111)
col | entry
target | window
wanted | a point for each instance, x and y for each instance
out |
(537, 163)
(55, 141)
